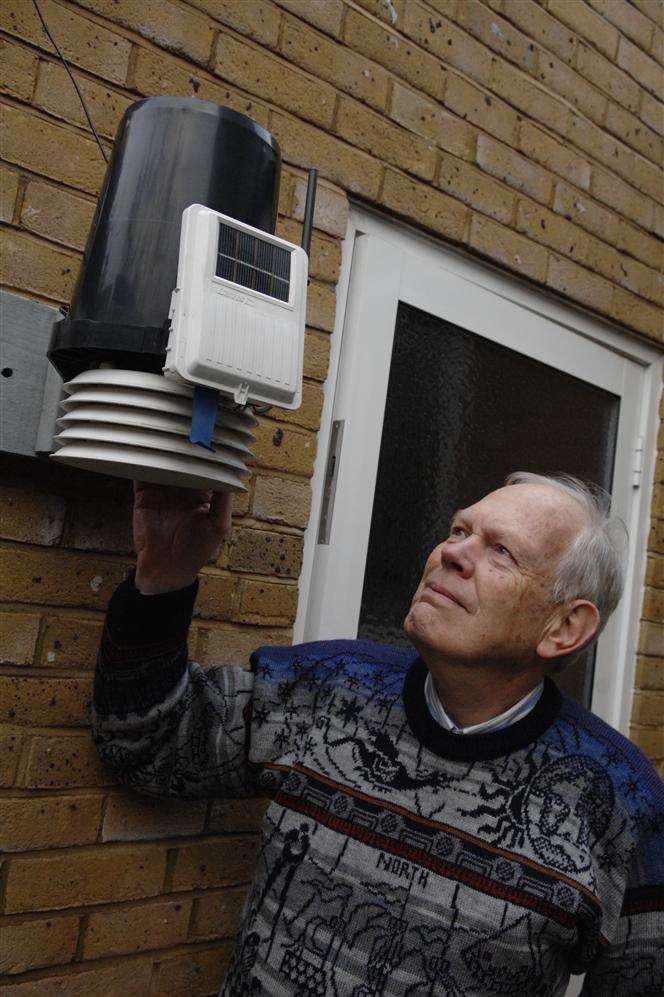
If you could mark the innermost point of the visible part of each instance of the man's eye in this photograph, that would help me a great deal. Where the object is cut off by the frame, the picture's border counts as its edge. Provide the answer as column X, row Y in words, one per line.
column 457, row 531
column 503, row 551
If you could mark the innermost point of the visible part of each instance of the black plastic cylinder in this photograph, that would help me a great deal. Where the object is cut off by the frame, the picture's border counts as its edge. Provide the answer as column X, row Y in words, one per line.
column 169, row 152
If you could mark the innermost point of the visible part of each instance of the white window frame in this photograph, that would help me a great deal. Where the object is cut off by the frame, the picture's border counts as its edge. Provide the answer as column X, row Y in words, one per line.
column 615, row 700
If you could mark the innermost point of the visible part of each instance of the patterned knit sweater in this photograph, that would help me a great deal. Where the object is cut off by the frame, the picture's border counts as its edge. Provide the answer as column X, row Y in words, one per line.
column 397, row 859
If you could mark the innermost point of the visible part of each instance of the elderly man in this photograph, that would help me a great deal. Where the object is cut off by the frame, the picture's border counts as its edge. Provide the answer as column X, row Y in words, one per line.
column 442, row 820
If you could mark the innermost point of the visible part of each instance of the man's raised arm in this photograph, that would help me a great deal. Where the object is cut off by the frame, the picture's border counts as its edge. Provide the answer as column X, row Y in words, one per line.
column 160, row 722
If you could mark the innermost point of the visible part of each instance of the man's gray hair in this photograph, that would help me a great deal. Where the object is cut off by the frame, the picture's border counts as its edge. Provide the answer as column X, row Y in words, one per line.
column 592, row 568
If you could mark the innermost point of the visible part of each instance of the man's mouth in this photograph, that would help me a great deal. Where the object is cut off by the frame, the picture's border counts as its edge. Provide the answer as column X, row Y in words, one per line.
column 444, row 594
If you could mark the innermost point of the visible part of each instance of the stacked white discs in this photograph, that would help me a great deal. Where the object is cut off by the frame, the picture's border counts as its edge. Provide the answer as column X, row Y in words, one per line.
column 134, row 425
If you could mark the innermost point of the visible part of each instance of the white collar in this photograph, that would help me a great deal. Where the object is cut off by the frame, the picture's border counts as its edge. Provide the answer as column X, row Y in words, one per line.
column 510, row 716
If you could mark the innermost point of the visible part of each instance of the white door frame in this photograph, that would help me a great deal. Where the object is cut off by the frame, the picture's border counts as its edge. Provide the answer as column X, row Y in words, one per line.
column 612, row 693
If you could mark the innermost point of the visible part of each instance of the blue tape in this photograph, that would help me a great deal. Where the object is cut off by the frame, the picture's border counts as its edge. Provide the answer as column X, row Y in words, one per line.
column 203, row 416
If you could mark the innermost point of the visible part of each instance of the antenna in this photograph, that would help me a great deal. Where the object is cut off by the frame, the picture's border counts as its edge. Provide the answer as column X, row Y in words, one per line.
column 309, row 210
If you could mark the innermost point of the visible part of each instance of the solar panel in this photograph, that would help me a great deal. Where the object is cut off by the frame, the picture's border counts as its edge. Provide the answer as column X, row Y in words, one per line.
column 255, row 263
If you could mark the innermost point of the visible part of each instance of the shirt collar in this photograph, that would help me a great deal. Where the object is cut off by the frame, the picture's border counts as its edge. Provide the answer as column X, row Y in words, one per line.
column 506, row 719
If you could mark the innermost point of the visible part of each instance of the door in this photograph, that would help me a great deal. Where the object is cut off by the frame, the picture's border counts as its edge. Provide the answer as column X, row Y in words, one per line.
column 445, row 384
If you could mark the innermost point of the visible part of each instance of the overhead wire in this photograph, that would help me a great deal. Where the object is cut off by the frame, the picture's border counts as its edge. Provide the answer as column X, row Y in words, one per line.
column 71, row 77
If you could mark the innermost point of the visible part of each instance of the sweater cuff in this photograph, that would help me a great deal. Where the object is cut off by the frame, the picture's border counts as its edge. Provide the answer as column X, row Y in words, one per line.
column 140, row 620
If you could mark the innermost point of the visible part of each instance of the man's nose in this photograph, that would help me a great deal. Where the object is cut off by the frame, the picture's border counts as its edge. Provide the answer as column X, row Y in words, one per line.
column 459, row 556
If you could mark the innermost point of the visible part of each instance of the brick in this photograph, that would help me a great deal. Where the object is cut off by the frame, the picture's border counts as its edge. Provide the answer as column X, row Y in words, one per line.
column 649, row 673
column 486, row 112
column 57, row 578
column 649, row 739
column 37, row 943
column 321, row 306
column 658, row 222
column 308, row 414
column 621, row 197
column 55, row 94
column 266, row 553
column 603, row 147
column 155, row 74
column 91, row 876
column 447, row 41
column 45, row 702
column 635, row 277
column 123, row 930
column 637, row 243
column 324, row 14
column 657, row 507
column 631, row 130
column 281, row 500
column 258, row 20
column 27, row 515
column 530, row 16
column 8, row 191
column 657, row 46
column 656, row 535
column 280, row 448
column 472, row 187
column 653, row 605
column 331, row 211
column 561, row 79
column 627, row 19
column 18, row 70
column 235, row 645
column 579, row 284
column 390, row 143
column 426, row 118
column 316, row 354
column 83, row 42
column 525, row 94
column 131, row 979
column 178, row 29
column 336, row 64
column 131, row 817
column 647, row 177
column 420, row 203
column 582, row 210
column 11, row 742
column 214, row 862
column 496, row 33
column 582, row 19
column 216, row 596
column 391, row 12
column 28, row 264
column 640, row 67
column 258, row 72
column 304, row 146
column 238, row 816
column 539, row 146
column 195, row 973
column 652, row 113
column 64, row 761
column 34, row 822
column 101, row 523
column 405, row 60
column 629, row 310
column 543, row 226
column 325, row 254
column 651, row 638
column 218, row 915
column 652, row 9
column 507, row 165
column 605, row 75
column 648, row 708
column 50, row 149
column 70, row 643
column 263, row 602
column 504, row 246
column 56, row 214
column 18, row 638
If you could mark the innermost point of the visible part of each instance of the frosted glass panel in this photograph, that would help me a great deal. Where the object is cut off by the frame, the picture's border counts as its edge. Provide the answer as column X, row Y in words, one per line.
column 461, row 413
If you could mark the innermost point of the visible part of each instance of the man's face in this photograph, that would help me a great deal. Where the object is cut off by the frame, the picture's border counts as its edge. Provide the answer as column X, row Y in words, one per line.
column 485, row 594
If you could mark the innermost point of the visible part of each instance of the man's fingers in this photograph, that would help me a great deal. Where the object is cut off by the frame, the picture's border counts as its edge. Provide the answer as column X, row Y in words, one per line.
column 221, row 507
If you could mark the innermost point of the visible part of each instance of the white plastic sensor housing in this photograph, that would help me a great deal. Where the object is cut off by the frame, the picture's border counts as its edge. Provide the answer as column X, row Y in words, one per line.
column 238, row 311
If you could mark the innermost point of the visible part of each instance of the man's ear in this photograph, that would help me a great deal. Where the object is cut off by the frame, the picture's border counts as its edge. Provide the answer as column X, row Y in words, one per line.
column 569, row 630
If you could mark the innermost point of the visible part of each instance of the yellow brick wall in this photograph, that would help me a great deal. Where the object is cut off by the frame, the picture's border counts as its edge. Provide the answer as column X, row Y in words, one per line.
column 526, row 131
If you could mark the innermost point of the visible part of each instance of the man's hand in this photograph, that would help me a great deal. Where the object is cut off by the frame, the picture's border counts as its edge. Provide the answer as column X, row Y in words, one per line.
column 176, row 531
